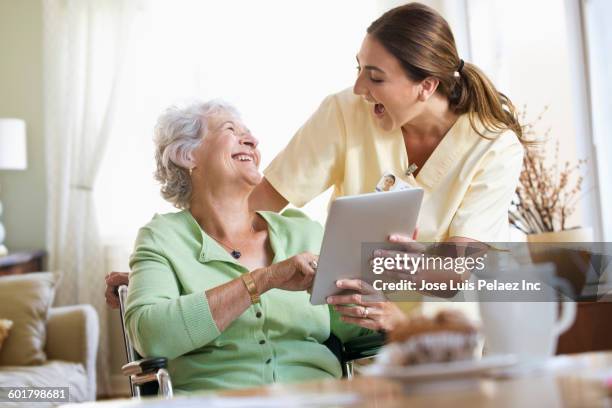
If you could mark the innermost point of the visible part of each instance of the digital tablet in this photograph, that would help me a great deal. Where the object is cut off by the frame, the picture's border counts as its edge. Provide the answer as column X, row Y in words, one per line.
column 359, row 221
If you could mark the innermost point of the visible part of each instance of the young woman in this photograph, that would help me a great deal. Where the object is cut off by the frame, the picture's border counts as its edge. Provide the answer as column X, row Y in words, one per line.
column 420, row 113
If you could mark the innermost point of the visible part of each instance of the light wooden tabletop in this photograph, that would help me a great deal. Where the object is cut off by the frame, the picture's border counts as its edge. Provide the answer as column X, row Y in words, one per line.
column 566, row 381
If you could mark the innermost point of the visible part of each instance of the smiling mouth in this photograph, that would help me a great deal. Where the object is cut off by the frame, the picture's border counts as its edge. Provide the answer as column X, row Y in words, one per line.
column 379, row 109
column 243, row 157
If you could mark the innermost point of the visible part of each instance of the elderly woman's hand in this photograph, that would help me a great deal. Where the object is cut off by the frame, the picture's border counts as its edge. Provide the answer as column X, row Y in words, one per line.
column 113, row 281
column 295, row 273
column 365, row 308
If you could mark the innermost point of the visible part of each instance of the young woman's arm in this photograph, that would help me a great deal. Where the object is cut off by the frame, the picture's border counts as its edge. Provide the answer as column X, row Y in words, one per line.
column 266, row 198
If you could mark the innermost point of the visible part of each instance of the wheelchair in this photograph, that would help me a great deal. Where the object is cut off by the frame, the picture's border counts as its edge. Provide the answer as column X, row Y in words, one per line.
column 149, row 376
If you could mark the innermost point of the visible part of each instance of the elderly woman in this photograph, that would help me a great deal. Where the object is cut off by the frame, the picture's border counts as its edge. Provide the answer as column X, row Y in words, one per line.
column 220, row 289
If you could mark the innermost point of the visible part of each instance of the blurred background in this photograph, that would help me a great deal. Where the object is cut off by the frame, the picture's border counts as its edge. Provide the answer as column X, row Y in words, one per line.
column 88, row 79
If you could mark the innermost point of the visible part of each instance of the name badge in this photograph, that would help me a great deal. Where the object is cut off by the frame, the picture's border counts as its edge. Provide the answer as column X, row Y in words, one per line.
column 390, row 182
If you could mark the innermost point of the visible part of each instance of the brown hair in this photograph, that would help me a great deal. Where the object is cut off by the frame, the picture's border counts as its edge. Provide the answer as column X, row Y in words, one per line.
column 423, row 42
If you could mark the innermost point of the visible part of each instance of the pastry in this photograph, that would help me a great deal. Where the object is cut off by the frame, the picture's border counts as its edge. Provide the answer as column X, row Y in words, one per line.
column 447, row 336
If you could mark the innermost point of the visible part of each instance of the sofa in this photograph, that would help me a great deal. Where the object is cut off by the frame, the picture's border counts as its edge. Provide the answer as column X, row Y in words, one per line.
column 69, row 341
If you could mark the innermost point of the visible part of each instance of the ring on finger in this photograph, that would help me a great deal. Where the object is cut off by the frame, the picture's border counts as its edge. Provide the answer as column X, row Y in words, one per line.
column 366, row 311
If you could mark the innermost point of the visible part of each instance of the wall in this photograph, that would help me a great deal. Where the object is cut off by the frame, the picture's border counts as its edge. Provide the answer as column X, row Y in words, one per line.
column 23, row 193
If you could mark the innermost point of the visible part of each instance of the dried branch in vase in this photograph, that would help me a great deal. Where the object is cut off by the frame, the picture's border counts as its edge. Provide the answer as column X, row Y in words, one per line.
column 547, row 195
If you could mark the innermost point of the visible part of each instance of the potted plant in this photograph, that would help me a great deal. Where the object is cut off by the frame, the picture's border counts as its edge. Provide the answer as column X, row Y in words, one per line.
column 547, row 194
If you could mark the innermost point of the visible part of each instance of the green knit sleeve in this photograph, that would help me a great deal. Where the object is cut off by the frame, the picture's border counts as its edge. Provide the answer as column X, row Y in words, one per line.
column 161, row 322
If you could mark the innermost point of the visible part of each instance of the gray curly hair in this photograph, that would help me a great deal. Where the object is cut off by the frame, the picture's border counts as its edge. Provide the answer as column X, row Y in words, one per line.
column 178, row 132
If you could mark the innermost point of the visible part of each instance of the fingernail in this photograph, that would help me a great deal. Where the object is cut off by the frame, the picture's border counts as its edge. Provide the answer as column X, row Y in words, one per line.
column 329, row 299
column 339, row 283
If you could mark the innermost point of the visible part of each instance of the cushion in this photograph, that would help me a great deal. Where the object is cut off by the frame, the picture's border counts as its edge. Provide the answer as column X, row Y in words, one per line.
column 25, row 299
column 5, row 327
column 50, row 374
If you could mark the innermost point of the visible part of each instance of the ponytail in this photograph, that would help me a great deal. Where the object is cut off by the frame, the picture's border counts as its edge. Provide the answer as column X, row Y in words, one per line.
column 476, row 95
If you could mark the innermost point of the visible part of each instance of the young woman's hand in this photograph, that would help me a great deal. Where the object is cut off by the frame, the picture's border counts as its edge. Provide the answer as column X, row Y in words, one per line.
column 367, row 307
column 454, row 247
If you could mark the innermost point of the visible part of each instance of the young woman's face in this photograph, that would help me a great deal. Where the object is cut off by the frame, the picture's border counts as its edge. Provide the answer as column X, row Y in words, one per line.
column 383, row 83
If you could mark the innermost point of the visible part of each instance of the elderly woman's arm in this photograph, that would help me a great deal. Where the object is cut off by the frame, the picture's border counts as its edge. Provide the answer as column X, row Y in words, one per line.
column 155, row 307
column 228, row 301
column 162, row 322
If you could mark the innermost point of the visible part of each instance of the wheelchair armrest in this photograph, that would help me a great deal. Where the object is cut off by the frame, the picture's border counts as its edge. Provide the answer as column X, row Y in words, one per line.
column 145, row 365
column 363, row 347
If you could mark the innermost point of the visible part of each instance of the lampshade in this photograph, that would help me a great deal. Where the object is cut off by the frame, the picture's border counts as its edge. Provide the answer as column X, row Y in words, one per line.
column 13, row 144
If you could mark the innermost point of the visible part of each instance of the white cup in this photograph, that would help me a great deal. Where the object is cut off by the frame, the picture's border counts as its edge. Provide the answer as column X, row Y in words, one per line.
column 525, row 329
column 529, row 330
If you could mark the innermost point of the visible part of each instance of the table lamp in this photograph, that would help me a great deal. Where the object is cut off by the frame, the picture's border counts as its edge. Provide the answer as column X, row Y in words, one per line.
column 12, row 156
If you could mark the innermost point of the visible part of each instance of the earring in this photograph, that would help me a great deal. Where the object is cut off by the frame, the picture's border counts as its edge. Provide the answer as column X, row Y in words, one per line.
column 191, row 171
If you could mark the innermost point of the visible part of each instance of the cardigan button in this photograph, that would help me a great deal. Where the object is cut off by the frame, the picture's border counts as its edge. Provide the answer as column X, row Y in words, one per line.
column 258, row 315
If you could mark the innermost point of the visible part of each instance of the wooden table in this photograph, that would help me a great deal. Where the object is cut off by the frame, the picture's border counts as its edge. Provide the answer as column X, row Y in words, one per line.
column 568, row 386
column 591, row 331
column 569, row 382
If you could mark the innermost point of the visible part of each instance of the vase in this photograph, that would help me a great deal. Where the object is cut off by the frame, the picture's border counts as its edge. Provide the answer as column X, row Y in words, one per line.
column 570, row 235
column 569, row 250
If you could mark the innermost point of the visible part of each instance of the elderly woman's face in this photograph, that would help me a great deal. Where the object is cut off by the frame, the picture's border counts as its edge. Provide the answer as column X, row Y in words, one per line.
column 229, row 151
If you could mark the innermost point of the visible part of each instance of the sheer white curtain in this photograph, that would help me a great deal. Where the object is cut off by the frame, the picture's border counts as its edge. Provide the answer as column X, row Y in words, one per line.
column 83, row 53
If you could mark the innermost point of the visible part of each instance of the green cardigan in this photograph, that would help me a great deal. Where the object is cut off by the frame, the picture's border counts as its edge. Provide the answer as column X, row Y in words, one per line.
column 175, row 262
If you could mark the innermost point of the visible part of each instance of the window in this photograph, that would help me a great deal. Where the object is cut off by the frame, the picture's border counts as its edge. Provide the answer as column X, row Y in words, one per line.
column 275, row 61
column 524, row 47
column 598, row 45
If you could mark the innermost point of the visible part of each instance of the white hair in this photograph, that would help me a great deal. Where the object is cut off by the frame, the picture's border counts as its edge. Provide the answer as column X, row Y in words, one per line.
column 178, row 132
